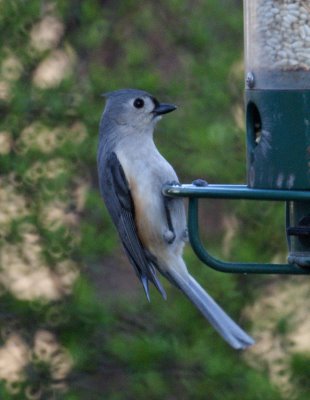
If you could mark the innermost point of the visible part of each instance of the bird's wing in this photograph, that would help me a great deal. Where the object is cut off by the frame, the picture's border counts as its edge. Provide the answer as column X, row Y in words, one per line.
column 120, row 204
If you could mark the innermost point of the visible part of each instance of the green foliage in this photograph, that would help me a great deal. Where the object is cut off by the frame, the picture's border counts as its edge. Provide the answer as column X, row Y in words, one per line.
column 75, row 341
column 300, row 368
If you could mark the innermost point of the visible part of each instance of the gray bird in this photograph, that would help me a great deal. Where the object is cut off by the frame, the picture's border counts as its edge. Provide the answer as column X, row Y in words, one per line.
column 151, row 226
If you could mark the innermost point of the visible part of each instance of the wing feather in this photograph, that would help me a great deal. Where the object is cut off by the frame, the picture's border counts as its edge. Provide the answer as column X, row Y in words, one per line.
column 119, row 202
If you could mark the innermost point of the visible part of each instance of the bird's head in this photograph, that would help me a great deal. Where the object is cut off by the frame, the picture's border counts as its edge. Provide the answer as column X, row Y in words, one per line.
column 135, row 108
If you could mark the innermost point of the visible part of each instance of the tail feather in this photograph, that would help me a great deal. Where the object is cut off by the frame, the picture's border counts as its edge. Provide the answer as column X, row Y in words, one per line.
column 217, row 317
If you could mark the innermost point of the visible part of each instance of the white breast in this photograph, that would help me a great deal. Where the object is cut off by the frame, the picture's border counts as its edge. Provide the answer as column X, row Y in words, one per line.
column 146, row 172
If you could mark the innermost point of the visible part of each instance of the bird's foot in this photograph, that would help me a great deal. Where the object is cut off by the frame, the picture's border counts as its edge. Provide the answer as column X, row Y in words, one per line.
column 200, row 183
column 169, row 236
column 172, row 183
column 185, row 235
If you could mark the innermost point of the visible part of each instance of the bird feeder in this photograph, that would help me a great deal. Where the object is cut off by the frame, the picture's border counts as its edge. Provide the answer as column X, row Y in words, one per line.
column 277, row 109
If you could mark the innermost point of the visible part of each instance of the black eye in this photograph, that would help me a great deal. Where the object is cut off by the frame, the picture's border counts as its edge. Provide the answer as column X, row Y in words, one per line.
column 138, row 103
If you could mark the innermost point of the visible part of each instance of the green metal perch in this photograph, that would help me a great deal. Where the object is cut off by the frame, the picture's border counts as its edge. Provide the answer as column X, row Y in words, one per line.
column 237, row 192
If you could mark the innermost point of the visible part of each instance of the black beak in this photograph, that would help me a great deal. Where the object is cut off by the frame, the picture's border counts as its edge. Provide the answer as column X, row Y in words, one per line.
column 163, row 108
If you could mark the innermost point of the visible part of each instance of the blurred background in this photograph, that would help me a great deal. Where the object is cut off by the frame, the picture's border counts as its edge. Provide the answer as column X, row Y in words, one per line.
column 74, row 321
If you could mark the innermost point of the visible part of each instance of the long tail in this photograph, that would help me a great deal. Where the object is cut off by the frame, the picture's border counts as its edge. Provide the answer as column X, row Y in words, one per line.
column 224, row 325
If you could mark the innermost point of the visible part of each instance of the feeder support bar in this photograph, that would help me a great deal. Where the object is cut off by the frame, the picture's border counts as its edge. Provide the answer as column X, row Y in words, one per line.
column 234, row 192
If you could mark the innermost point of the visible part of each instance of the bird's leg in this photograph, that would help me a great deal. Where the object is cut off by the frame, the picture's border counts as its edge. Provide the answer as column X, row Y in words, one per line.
column 169, row 234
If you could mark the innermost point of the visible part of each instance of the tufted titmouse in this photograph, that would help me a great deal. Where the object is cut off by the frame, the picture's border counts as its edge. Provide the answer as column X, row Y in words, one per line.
column 151, row 226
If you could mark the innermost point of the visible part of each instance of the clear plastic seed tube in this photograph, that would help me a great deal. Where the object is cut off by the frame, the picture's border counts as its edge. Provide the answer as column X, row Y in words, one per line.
column 277, row 43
